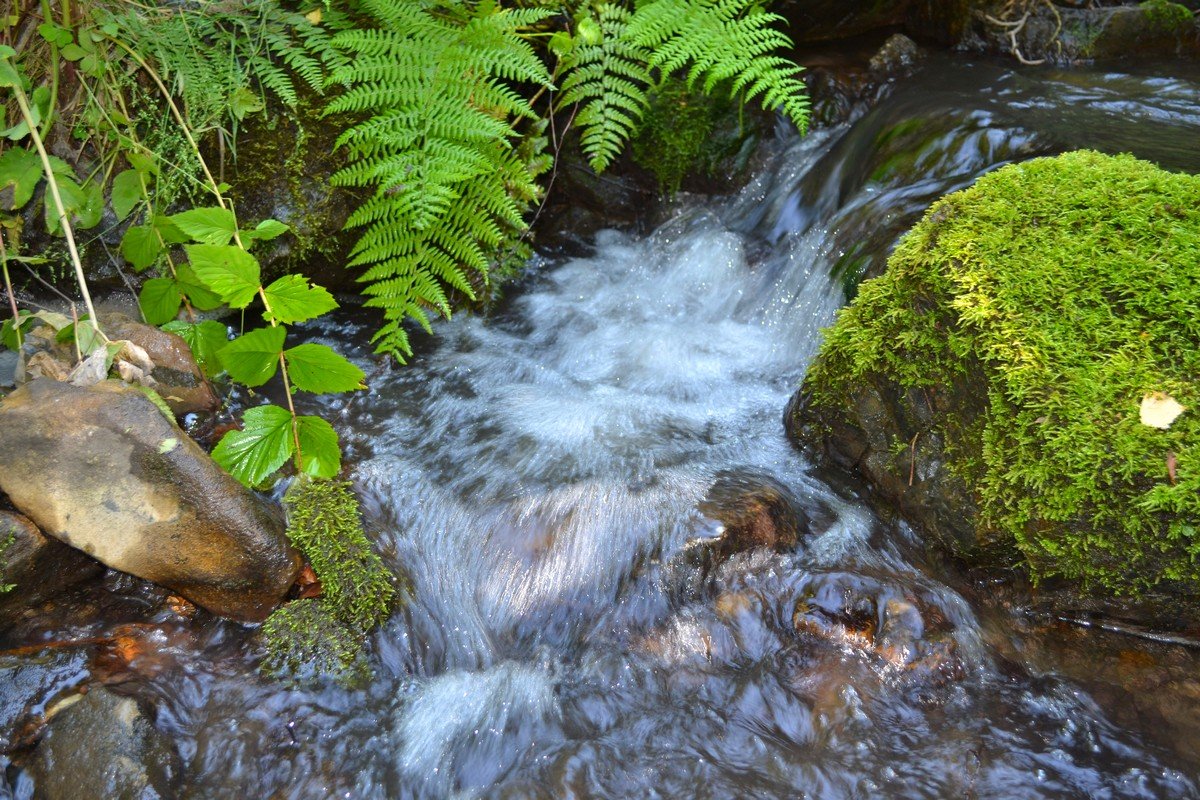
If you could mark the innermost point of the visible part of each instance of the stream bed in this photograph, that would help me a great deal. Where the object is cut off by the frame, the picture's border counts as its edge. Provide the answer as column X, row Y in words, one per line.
column 545, row 478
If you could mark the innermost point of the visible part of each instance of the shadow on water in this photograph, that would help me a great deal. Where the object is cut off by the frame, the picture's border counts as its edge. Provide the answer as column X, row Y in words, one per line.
column 577, row 629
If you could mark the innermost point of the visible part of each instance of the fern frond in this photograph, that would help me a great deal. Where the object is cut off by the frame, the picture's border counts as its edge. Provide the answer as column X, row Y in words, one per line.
column 434, row 85
column 608, row 79
column 722, row 40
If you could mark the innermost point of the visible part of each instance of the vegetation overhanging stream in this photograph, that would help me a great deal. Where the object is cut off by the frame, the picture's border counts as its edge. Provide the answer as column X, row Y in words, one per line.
column 542, row 475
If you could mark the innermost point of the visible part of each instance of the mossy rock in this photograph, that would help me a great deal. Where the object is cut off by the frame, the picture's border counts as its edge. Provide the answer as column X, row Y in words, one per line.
column 990, row 382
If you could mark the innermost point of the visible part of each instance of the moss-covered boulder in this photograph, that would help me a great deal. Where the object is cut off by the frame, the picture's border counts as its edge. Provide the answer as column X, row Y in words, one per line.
column 990, row 385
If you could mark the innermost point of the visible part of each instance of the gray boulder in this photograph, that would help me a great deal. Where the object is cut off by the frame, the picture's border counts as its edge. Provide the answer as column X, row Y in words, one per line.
column 103, row 746
column 101, row 469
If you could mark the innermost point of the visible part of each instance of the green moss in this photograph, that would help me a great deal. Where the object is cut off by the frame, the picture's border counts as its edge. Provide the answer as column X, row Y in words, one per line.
column 325, row 524
column 6, row 542
column 1166, row 16
column 685, row 132
column 1073, row 283
column 306, row 641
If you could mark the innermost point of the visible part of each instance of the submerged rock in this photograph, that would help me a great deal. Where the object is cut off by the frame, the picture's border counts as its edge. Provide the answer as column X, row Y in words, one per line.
column 104, row 471
column 754, row 511
column 103, row 746
column 988, row 384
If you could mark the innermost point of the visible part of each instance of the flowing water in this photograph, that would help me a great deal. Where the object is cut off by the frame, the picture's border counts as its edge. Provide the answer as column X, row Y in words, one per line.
column 539, row 476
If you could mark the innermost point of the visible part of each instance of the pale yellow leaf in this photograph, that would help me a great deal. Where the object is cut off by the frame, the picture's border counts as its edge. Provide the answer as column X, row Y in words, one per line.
column 1159, row 410
column 314, row 16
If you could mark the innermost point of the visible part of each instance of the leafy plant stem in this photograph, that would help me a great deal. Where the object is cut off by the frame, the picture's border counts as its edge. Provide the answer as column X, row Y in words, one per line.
column 287, row 383
column 8, row 287
column 48, row 16
column 63, row 217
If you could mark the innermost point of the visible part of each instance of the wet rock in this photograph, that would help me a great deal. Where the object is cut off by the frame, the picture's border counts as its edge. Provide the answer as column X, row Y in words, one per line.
column 897, row 57
column 1069, row 32
column 754, row 511
column 824, row 20
column 104, row 471
column 175, row 374
column 896, row 629
column 29, row 684
column 103, row 746
column 35, row 566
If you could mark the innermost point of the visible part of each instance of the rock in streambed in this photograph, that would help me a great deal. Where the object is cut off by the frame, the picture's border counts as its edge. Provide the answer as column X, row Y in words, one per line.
column 101, row 469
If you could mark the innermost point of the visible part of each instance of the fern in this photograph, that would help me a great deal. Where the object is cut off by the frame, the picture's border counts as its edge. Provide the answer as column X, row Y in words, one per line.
column 436, row 148
column 211, row 56
column 723, row 40
column 608, row 78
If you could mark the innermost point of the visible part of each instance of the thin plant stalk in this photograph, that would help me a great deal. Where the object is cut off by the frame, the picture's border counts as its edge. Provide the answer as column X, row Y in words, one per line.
column 63, row 217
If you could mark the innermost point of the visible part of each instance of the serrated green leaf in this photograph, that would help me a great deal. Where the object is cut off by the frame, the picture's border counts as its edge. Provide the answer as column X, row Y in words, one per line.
column 72, row 52
column 169, row 231
column 140, row 246
column 228, row 270
column 126, row 192
column 20, row 169
column 205, row 339
column 263, row 445
column 318, row 369
column 160, row 300
column 320, row 454
column 197, row 295
column 142, row 162
column 213, row 226
column 266, row 230
column 253, row 357
column 244, row 102
column 55, row 35
column 292, row 299
column 84, row 204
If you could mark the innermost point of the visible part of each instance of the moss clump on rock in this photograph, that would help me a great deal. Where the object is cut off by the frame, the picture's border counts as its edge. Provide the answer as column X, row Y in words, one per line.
column 1166, row 16
column 1067, row 289
column 325, row 636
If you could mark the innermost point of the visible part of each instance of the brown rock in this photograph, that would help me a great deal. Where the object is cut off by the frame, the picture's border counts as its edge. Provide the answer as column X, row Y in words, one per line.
column 178, row 378
column 102, row 470
column 755, row 511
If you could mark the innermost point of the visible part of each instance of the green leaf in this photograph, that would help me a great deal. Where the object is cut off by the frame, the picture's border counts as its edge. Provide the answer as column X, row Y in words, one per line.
column 126, row 192
column 200, row 298
column 265, row 230
column 253, row 357
column 293, row 299
column 140, row 246
column 206, row 339
column 212, row 226
column 589, row 31
column 85, row 204
column 10, row 327
column 20, row 169
column 245, row 102
column 55, row 35
column 169, row 231
column 142, row 162
column 83, row 333
column 39, row 107
column 260, row 448
column 318, row 369
column 9, row 77
column 160, row 300
column 72, row 52
column 228, row 270
column 320, row 454
column 560, row 44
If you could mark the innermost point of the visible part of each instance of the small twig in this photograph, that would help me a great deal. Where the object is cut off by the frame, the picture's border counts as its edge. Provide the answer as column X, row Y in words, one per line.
column 912, row 458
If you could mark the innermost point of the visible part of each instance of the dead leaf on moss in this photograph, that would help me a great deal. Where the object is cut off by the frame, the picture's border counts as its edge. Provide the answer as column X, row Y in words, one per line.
column 1159, row 410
